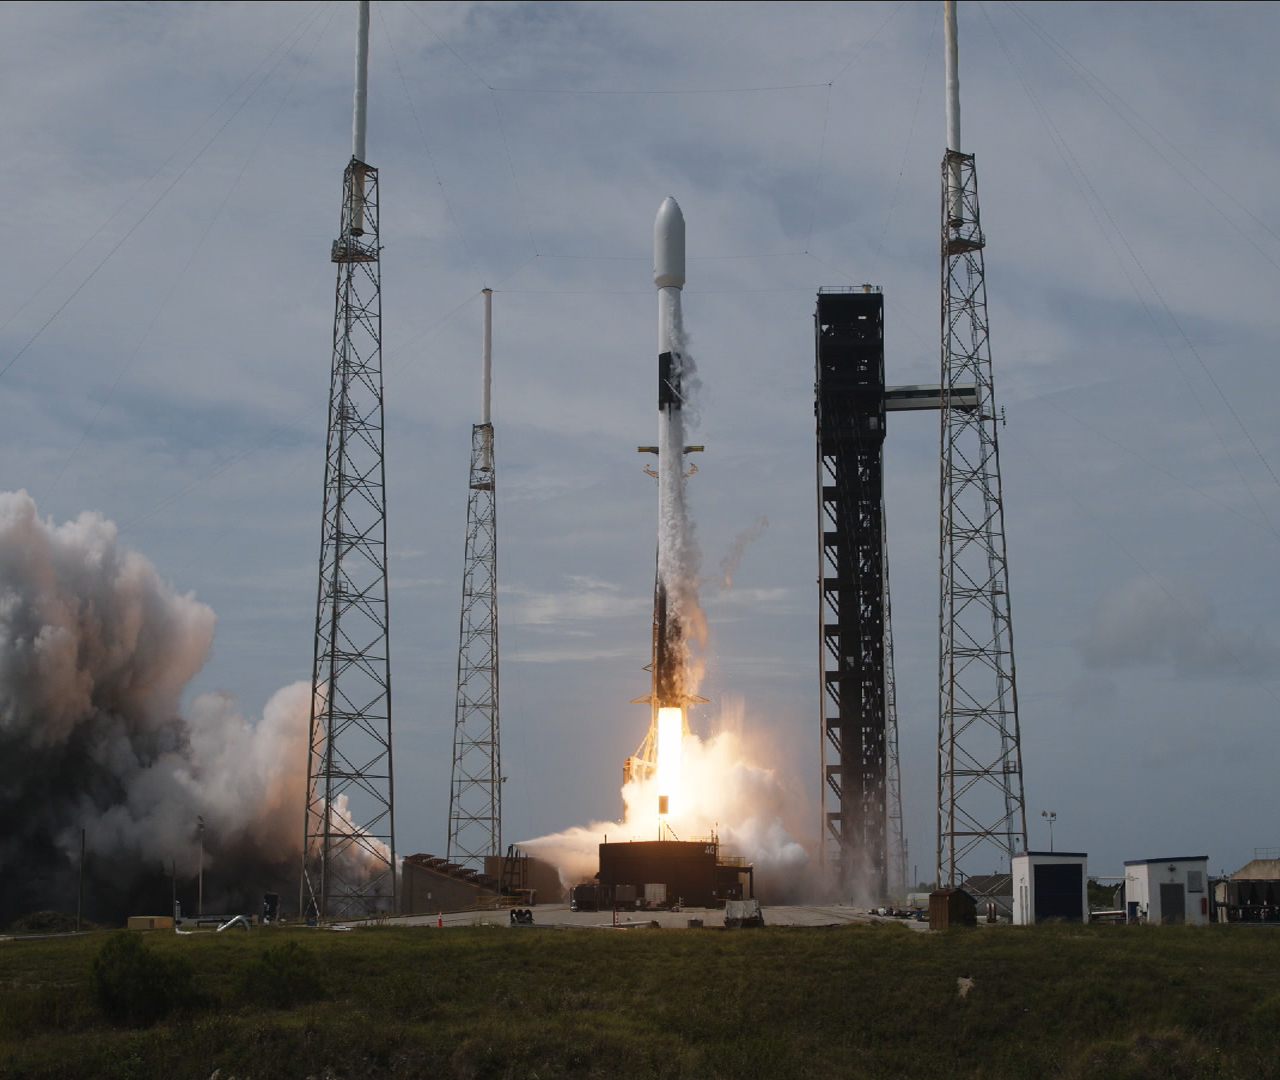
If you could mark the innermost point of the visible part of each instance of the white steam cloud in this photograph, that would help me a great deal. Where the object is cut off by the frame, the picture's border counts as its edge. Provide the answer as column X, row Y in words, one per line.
column 725, row 793
column 95, row 651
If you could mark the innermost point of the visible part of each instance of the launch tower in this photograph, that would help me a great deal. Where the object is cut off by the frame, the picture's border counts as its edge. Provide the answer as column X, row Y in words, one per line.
column 850, row 416
column 475, row 790
column 981, row 808
column 349, row 842
column 863, row 849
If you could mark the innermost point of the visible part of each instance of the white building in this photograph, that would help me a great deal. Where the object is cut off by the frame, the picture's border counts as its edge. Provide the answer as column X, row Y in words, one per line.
column 1167, row 890
column 1050, row 885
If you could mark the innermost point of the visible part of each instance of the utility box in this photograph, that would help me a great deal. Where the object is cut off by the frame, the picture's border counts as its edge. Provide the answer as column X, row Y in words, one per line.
column 1050, row 886
column 951, row 907
column 1167, row 891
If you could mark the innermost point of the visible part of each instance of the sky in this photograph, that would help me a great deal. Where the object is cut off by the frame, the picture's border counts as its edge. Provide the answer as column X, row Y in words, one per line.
column 173, row 176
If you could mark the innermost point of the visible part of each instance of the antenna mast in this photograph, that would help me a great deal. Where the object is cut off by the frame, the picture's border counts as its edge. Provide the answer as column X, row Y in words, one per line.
column 349, row 843
column 981, row 807
column 475, row 790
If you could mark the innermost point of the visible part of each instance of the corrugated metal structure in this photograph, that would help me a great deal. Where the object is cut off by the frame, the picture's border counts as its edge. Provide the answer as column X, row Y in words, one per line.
column 951, row 907
column 693, row 871
column 1251, row 894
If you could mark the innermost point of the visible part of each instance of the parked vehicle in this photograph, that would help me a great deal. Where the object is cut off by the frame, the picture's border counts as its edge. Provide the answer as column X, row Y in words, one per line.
column 743, row 913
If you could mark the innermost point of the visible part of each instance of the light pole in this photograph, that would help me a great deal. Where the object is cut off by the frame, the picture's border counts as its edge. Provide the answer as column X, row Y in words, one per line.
column 80, row 885
column 200, row 879
column 1050, row 816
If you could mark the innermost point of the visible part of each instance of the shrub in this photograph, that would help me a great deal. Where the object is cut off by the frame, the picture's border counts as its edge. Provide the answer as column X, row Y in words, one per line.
column 44, row 922
column 137, row 986
column 283, row 976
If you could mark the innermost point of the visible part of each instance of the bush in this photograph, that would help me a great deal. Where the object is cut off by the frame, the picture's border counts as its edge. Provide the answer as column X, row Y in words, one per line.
column 283, row 976
column 44, row 922
column 137, row 986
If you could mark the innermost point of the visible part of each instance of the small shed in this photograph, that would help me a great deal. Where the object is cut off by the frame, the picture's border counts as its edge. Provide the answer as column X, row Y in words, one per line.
column 1174, row 890
column 1050, row 886
column 951, row 907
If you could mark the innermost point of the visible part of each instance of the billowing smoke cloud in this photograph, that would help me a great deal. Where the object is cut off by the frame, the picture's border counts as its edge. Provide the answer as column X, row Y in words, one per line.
column 95, row 651
column 1146, row 622
column 724, row 792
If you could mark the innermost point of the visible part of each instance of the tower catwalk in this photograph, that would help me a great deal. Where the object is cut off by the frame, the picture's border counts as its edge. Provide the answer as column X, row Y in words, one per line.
column 349, row 842
column 981, row 808
column 475, row 790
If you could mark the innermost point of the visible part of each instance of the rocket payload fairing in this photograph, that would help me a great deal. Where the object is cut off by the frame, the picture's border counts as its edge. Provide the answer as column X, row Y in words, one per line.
column 668, row 276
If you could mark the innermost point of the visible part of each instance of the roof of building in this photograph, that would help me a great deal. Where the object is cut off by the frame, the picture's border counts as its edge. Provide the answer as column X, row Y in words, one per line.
column 1171, row 858
column 1258, row 870
column 1054, row 854
column 990, row 884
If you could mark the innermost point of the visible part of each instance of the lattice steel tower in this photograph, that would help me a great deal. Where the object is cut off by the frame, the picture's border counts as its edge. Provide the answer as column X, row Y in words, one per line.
column 475, row 790
column 850, row 410
column 981, row 809
column 897, row 837
column 349, row 845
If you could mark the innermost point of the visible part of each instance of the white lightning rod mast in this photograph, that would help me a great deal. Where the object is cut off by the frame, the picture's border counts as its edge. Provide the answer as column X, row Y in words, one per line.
column 488, row 355
column 951, row 52
column 360, row 106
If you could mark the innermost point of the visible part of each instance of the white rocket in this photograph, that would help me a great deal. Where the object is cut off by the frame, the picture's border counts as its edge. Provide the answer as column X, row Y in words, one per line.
column 668, row 276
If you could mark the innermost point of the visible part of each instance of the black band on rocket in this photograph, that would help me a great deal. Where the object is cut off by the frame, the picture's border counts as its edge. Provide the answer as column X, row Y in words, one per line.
column 668, row 381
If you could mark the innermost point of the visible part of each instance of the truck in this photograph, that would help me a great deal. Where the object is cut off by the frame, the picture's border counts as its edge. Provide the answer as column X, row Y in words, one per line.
column 591, row 896
column 742, row 913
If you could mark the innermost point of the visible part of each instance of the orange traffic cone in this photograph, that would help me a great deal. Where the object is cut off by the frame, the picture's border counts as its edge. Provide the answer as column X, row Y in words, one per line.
column 440, row 921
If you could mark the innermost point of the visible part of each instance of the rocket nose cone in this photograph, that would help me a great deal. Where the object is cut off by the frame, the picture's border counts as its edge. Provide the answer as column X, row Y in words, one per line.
column 668, row 245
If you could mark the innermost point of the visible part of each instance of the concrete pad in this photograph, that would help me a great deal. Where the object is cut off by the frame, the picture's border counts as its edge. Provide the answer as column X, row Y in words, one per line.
column 558, row 916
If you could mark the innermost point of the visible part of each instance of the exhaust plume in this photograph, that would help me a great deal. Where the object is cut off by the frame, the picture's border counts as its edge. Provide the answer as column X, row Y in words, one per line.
column 724, row 792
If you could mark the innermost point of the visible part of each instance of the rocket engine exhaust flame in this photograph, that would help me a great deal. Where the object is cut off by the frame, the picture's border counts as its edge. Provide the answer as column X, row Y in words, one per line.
column 671, row 725
column 724, row 792
column 95, row 653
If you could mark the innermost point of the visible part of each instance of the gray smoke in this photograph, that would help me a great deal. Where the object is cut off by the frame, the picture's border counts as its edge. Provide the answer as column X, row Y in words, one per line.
column 730, row 563
column 95, row 652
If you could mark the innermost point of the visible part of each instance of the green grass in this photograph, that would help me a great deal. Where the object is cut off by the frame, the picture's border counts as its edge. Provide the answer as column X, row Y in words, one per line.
column 1098, row 1002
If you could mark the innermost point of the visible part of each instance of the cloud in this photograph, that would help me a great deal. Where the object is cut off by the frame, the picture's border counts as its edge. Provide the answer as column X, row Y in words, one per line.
column 1148, row 623
column 585, row 599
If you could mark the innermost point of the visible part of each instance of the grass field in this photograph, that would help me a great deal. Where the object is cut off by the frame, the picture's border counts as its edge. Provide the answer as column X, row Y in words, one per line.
column 858, row 1001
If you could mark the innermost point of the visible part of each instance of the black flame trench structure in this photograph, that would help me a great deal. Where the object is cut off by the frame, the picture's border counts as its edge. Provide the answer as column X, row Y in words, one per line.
column 863, row 848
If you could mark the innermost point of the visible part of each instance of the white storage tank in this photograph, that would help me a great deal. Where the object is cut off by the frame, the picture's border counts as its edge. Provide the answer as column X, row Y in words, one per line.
column 1050, row 886
column 1167, row 891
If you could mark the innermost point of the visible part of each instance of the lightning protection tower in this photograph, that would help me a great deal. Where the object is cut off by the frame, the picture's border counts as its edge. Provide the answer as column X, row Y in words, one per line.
column 981, row 809
column 475, row 790
column 349, row 843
